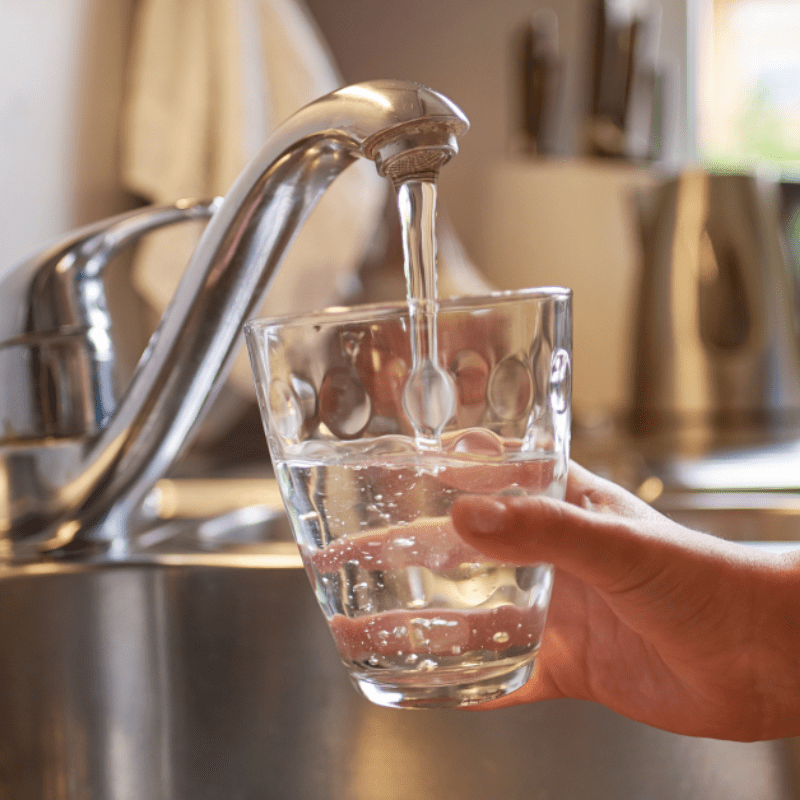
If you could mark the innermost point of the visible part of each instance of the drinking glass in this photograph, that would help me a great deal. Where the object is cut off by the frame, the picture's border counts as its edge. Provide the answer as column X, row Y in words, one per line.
column 420, row 619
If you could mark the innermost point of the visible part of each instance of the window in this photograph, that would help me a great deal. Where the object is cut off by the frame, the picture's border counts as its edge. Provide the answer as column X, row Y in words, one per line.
column 748, row 85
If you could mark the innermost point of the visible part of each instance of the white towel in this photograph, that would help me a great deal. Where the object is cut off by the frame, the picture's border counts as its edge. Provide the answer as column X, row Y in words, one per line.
column 209, row 80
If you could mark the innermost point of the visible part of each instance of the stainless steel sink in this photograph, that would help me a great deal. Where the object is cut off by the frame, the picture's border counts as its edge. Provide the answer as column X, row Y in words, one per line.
column 212, row 681
column 750, row 495
column 202, row 668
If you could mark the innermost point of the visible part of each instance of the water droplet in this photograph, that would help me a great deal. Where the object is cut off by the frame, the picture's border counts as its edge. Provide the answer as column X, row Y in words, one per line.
column 501, row 637
column 351, row 343
column 306, row 396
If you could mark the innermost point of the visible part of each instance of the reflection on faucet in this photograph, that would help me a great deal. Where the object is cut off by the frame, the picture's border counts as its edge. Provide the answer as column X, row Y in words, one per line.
column 60, row 328
column 77, row 491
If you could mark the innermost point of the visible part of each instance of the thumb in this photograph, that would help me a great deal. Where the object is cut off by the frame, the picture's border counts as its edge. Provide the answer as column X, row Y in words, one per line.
column 606, row 550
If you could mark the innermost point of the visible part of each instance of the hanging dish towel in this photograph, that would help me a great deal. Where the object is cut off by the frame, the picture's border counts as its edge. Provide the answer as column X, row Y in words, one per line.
column 209, row 81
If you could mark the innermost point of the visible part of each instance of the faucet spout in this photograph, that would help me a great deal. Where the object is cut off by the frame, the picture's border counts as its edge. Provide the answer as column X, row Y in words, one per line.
column 405, row 128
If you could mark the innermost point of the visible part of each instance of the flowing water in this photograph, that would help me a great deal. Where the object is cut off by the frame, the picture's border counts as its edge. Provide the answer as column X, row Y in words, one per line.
column 429, row 395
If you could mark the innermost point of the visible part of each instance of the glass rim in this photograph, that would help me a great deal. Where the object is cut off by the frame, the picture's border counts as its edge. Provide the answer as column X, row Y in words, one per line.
column 368, row 312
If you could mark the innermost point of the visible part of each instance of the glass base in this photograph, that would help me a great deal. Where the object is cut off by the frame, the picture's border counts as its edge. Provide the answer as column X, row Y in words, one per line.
column 444, row 688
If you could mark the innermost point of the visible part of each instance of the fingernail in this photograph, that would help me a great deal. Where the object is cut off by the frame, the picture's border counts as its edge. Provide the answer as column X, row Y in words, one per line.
column 486, row 516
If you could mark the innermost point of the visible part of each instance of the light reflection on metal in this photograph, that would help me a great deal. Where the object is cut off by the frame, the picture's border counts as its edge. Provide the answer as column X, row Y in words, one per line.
column 55, row 346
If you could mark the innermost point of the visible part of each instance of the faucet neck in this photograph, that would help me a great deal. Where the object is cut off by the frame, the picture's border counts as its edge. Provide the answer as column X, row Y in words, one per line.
column 405, row 128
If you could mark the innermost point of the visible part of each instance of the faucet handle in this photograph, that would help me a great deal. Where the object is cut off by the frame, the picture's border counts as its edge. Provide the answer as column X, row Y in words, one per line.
column 56, row 341
column 60, row 293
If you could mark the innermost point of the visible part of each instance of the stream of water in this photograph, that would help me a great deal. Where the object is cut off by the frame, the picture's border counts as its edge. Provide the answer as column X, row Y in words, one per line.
column 429, row 396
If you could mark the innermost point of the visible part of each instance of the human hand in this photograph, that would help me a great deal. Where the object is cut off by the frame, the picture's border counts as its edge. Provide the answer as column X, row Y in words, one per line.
column 664, row 625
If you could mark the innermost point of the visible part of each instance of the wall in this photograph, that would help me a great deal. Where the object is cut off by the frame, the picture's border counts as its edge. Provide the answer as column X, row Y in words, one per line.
column 62, row 66
column 463, row 49
column 525, row 222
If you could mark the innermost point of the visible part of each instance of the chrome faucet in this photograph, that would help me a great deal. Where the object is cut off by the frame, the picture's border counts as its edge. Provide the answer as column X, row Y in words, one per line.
column 77, row 457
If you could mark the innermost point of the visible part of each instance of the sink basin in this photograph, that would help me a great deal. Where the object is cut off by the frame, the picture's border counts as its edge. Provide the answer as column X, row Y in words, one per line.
column 202, row 668
column 768, row 520
column 220, row 680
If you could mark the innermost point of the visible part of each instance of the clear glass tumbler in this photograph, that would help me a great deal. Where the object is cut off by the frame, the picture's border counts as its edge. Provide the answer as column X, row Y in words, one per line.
column 420, row 619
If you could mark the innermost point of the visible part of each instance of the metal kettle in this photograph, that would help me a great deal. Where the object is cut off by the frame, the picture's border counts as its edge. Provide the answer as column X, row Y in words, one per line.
column 716, row 355
column 77, row 454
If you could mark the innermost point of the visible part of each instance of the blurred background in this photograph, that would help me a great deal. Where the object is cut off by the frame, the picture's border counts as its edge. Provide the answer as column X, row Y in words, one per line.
column 67, row 72
column 576, row 106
